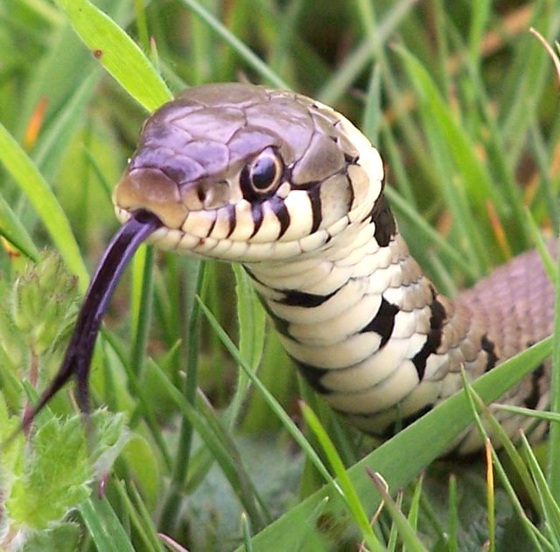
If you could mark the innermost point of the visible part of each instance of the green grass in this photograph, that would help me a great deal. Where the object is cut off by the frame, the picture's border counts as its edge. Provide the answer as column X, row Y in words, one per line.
column 461, row 101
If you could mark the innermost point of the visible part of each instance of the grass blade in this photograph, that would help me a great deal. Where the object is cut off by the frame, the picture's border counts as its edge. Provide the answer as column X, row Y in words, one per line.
column 14, row 231
column 40, row 195
column 117, row 52
column 246, row 53
column 409, row 537
column 350, row 496
column 105, row 528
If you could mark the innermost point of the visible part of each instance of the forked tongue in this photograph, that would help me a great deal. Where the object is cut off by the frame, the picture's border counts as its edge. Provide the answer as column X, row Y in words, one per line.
column 77, row 359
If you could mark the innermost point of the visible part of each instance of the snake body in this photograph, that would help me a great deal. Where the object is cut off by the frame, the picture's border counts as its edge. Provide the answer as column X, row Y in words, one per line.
column 294, row 191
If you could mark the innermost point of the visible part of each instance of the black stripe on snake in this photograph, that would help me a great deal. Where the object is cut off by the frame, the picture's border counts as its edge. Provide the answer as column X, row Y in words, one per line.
column 294, row 191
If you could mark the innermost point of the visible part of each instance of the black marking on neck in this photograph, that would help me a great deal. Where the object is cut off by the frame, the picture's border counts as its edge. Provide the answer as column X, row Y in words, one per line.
column 316, row 208
column 532, row 400
column 383, row 322
column 351, row 159
column 295, row 298
column 282, row 326
column 382, row 217
column 212, row 225
column 313, row 376
column 490, row 348
column 282, row 214
column 232, row 219
column 433, row 339
column 257, row 215
column 352, row 195
column 252, row 275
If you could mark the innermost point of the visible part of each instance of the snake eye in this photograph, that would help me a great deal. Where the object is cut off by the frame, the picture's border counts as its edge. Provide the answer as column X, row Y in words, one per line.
column 262, row 175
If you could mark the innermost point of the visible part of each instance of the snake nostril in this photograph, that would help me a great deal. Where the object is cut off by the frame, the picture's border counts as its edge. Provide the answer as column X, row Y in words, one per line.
column 206, row 195
column 201, row 194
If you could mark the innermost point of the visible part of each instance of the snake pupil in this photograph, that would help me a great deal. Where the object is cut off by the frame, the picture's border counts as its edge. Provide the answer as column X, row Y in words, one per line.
column 264, row 173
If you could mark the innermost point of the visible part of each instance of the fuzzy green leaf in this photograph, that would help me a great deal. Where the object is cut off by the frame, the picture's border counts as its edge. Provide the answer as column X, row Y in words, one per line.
column 56, row 476
column 63, row 538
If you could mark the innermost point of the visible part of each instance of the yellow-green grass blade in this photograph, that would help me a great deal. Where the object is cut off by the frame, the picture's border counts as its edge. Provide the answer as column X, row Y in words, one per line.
column 43, row 200
column 223, row 449
column 371, row 45
column 14, row 231
column 550, row 506
column 553, row 468
column 146, row 537
column 406, row 531
column 246, row 53
column 351, row 498
column 252, row 326
column 118, row 53
column 271, row 401
column 452, row 137
column 106, row 530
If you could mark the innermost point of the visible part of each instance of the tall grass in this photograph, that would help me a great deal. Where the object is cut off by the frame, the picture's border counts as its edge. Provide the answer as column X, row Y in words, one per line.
column 216, row 452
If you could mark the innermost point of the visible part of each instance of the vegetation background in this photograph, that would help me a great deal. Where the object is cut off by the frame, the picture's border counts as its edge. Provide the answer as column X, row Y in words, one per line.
column 201, row 443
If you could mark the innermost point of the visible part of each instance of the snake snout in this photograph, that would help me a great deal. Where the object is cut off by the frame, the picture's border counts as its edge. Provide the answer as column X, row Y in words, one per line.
column 151, row 190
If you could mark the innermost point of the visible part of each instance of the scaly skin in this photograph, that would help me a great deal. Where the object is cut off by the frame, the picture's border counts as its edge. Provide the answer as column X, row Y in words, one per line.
column 293, row 191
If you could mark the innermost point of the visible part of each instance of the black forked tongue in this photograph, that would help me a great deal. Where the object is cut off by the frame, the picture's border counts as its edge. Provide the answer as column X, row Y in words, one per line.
column 77, row 359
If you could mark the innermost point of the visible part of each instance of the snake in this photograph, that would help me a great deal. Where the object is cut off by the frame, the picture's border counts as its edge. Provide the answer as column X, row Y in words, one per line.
column 293, row 191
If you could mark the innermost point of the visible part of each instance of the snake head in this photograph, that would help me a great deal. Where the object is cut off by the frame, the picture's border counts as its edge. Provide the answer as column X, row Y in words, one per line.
column 240, row 172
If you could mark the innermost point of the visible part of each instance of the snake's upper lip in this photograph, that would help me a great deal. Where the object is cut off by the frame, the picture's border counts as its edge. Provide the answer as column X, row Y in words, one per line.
column 152, row 190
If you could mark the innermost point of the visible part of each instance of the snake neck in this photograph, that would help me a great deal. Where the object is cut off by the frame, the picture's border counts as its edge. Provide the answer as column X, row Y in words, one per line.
column 368, row 330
